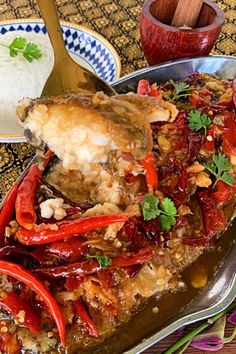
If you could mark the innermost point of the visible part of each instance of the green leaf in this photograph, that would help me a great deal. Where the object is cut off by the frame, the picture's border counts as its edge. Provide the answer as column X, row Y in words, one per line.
column 31, row 52
column 219, row 168
column 221, row 162
column 167, row 211
column 180, row 89
column 18, row 44
column 167, row 206
column 180, row 86
column 149, row 207
column 166, row 222
column 227, row 178
column 104, row 261
column 198, row 121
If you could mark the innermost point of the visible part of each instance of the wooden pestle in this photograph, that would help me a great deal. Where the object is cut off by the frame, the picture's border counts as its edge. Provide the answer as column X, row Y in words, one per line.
column 186, row 13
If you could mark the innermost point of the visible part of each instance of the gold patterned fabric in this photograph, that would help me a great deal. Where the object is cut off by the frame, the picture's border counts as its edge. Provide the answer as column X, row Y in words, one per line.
column 116, row 20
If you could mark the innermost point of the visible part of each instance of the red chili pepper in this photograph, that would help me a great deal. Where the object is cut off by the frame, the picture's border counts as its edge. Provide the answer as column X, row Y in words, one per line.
column 197, row 241
column 143, row 88
column 24, row 206
column 75, row 269
column 92, row 266
column 7, row 211
column 70, row 250
column 81, row 312
column 229, row 134
column 174, row 181
column 209, row 143
column 13, row 304
column 150, row 170
column 26, row 277
column 197, row 101
column 47, row 233
column 212, row 216
column 73, row 283
column 25, row 213
column 223, row 192
column 155, row 91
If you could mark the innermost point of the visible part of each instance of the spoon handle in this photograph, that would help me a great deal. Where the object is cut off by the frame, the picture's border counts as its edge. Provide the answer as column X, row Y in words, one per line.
column 49, row 13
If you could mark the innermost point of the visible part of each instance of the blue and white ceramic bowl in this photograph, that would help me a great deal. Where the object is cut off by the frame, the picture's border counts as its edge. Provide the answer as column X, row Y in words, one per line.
column 86, row 47
column 91, row 49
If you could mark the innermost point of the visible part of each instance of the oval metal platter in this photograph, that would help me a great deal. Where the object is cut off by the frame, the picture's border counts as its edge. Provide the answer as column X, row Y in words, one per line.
column 222, row 288
column 145, row 329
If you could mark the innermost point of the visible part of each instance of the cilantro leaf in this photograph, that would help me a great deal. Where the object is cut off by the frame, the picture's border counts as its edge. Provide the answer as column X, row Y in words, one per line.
column 166, row 222
column 104, row 261
column 167, row 211
column 221, row 162
column 180, row 90
column 168, row 207
column 198, row 121
column 30, row 51
column 150, row 207
column 16, row 45
column 219, row 168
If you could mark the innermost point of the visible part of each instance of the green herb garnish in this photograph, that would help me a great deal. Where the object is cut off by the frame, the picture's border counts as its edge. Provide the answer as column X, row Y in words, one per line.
column 104, row 261
column 219, row 168
column 198, row 121
column 180, row 90
column 149, row 207
column 166, row 210
column 30, row 51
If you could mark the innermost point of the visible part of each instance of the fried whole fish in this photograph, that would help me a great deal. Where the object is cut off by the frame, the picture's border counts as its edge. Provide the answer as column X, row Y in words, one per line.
column 84, row 128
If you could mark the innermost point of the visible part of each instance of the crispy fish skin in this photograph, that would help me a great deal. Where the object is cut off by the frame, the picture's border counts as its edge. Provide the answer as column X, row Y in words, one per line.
column 95, row 124
column 120, row 123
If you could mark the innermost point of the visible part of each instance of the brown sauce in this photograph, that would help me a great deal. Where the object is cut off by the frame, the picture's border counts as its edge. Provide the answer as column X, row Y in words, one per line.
column 146, row 323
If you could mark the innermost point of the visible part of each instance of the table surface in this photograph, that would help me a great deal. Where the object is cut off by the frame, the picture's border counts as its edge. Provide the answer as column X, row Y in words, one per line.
column 118, row 21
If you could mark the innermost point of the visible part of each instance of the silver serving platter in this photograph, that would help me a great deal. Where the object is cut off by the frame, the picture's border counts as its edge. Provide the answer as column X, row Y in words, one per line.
column 221, row 290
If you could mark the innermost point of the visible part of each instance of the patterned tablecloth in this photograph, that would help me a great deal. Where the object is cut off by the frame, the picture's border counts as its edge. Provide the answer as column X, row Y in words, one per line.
column 118, row 21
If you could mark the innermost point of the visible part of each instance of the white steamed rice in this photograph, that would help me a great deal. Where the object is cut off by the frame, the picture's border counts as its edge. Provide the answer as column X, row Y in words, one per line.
column 20, row 78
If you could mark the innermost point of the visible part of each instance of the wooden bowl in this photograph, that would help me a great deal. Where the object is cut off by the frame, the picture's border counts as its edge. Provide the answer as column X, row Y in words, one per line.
column 162, row 42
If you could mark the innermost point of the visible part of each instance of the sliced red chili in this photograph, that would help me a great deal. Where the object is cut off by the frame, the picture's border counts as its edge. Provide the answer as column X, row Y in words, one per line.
column 209, row 143
column 13, row 304
column 150, row 170
column 47, row 233
column 212, row 216
column 73, row 283
column 8, row 209
column 229, row 134
column 197, row 101
column 143, row 87
column 174, row 181
column 36, row 285
column 223, row 192
column 81, row 312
